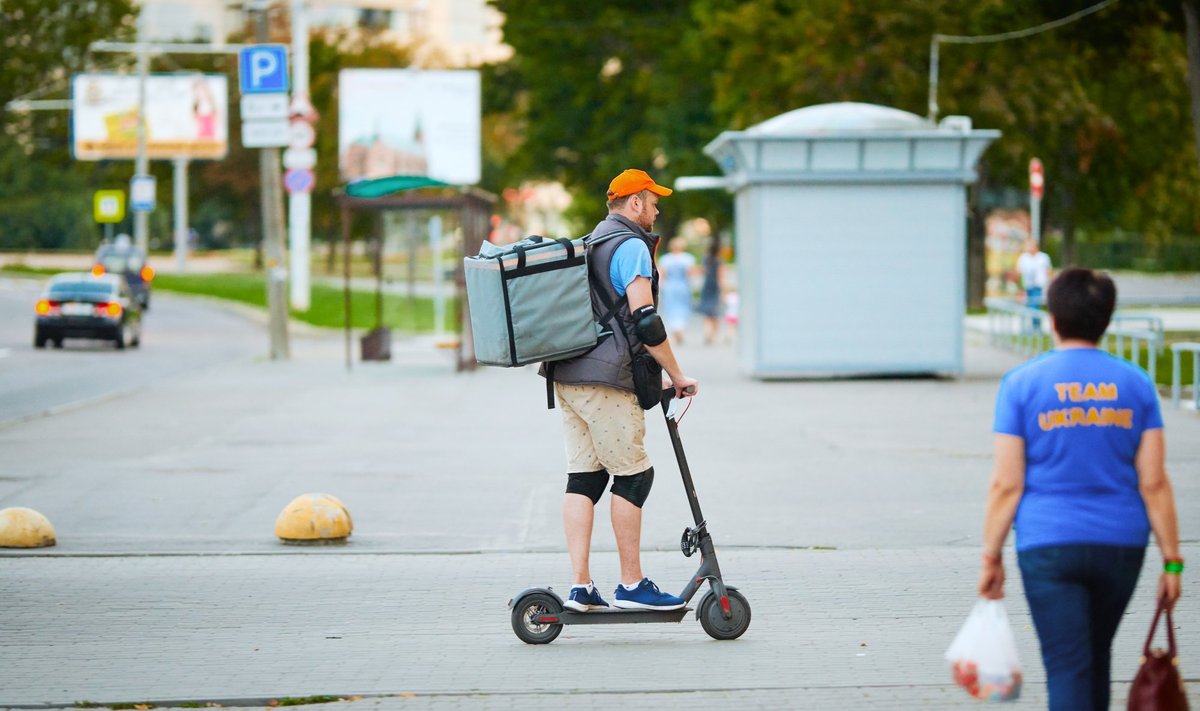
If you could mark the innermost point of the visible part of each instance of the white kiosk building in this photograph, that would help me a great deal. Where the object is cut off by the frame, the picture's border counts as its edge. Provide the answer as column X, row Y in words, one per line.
column 851, row 236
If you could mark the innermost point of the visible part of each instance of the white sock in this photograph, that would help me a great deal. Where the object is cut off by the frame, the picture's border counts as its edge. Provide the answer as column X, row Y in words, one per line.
column 633, row 587
column 589, row 587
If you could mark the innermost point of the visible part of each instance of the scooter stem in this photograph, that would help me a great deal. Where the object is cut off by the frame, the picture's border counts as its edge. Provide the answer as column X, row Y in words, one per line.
column 673, row 430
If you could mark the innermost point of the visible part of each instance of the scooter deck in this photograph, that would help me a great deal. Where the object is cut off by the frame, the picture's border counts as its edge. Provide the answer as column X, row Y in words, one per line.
column 617, row 616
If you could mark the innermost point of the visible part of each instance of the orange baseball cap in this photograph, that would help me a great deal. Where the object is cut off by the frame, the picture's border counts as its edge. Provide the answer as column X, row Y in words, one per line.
column 634, row 181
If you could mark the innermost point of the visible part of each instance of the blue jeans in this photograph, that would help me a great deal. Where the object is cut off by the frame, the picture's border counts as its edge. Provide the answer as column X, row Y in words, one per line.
column 1033, row 299
column 1077, row 595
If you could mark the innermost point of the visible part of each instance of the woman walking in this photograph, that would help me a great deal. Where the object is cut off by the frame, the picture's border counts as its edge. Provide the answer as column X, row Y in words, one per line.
column 675, row 289
column 710, row 290
column 1079, row 465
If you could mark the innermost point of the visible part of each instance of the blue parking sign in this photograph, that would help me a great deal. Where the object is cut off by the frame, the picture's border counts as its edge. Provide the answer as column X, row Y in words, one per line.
column 263, row 69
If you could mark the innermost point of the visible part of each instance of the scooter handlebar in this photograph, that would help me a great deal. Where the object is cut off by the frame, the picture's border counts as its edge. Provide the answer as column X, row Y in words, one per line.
column 668, row 394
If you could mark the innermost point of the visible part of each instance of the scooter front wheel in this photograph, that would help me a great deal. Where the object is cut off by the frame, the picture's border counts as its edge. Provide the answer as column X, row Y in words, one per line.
column 713, row 620
column 526, row 619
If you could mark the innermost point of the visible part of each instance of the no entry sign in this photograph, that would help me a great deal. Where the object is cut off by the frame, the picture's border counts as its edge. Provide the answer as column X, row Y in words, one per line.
column 1037, row 180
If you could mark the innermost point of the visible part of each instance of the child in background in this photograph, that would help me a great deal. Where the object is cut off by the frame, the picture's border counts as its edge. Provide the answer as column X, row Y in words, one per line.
column 731, row 312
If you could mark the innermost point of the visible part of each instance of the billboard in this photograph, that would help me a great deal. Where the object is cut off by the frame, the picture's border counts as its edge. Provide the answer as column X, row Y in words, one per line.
column 409, row 122
column 187, row 116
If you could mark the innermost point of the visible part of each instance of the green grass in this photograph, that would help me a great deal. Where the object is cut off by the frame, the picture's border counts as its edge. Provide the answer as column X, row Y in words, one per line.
column 305, row 700
column 1162, row 374
column 326, row 310
column 30, row 271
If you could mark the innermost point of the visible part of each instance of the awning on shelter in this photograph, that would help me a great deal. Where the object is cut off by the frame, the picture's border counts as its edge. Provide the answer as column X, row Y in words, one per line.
column 379, row 187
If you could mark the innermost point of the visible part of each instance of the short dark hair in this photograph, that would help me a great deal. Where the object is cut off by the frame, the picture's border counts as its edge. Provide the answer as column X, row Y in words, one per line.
column 1082, row 303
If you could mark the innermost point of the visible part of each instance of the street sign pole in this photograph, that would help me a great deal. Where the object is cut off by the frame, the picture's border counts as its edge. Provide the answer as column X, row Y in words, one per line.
column 300, row 201
column 108, row 207
column 181, row 213
column 141, row 218
column 1037, row 183
column 263, row 68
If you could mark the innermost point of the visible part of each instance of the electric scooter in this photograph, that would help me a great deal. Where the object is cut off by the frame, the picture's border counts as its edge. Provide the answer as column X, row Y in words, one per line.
column 538, row 615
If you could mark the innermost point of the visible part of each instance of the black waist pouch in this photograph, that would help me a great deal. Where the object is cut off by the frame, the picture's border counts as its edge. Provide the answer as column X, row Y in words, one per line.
column 647, row 380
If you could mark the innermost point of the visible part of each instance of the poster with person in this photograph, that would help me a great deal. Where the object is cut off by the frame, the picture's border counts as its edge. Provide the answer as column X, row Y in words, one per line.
column 187, row 116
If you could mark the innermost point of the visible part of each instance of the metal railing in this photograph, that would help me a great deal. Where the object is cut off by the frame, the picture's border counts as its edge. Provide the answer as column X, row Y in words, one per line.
column 1017, row 327
column 1177, row 376
column 1026, row 330
column 1137, row 331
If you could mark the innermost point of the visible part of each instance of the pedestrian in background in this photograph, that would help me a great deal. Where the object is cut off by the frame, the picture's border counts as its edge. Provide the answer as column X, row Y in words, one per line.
column 710, row 290
column 1034, row 268
column 731, row 312
column 675, row 302
column 1079, row 469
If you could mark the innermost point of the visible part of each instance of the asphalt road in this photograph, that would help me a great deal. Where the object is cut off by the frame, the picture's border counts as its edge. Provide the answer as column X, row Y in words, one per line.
column 179, row 335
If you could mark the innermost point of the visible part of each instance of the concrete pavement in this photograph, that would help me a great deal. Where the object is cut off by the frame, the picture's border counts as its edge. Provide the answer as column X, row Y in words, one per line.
column 847, row 511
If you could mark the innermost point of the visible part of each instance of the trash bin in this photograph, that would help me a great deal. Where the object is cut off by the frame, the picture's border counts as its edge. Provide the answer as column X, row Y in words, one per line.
column 377, row 344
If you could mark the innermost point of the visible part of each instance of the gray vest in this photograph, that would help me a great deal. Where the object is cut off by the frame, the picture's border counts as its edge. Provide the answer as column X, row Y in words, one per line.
column 609, row 363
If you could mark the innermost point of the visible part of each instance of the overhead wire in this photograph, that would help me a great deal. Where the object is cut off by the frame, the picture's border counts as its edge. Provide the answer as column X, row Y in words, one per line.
column 60, row 84
column 939, row 39
column 1028, row 31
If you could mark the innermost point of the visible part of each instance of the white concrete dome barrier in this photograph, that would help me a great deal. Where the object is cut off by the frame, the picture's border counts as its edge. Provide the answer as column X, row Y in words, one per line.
column 314, row 518
column 25, row 528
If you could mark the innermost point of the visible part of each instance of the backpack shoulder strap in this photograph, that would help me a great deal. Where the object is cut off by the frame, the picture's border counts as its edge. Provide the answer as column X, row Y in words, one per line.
column 610, row 307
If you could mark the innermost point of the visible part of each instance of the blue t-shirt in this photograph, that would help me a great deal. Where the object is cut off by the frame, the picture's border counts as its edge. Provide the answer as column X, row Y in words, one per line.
column 630, row 261
column 1081, row 413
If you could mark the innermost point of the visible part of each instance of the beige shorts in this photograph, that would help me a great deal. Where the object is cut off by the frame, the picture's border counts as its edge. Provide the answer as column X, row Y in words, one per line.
column 604, row 428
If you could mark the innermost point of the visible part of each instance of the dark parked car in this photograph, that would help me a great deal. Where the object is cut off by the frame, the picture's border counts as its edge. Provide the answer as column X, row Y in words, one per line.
column 121, row 257
column 87, row 306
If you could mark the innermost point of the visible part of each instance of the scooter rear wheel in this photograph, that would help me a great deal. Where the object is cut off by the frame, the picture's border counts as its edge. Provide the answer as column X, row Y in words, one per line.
column 525, row 616
column 714, row 622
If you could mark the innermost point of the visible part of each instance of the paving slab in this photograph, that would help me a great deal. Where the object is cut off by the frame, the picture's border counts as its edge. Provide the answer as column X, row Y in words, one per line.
column 849, row 511
column 827, row 625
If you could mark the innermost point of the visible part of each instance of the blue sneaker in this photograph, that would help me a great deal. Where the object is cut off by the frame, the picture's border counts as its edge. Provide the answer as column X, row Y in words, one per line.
column 646, row 596
column 581, row 600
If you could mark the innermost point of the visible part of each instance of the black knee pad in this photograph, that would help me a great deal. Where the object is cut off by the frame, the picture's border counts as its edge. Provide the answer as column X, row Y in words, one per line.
column 589, row 484
column 635, row 487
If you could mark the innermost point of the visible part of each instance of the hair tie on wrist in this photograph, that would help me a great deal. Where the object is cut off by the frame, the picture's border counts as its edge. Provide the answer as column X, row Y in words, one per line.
column 1174, row 566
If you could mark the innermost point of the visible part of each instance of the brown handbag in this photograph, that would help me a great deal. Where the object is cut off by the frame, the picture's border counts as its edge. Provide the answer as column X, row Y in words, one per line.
column 1158, row 685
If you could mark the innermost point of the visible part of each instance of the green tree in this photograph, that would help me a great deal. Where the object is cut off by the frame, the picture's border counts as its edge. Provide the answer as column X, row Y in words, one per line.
column 45, row 196
column 593, row 89
column 1101, row 101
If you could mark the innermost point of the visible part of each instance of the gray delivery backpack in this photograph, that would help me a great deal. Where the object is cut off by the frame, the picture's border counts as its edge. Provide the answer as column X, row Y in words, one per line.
column 530, row 301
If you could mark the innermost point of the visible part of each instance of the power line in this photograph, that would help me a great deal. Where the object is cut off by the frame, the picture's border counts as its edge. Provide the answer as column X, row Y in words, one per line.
column 999, row 37
column 58, row 84
column 1027, row 32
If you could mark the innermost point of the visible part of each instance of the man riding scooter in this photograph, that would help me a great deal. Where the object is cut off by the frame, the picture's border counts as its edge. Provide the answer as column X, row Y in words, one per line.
column 603, row 422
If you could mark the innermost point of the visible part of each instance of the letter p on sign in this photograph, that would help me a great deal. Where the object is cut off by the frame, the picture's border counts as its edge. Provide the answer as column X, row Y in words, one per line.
column 262, row 69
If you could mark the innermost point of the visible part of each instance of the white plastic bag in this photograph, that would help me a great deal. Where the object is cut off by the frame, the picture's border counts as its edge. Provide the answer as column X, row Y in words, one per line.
column 983, row 656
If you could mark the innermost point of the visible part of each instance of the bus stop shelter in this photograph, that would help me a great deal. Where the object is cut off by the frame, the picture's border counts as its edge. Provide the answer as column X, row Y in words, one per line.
column 406, row 193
